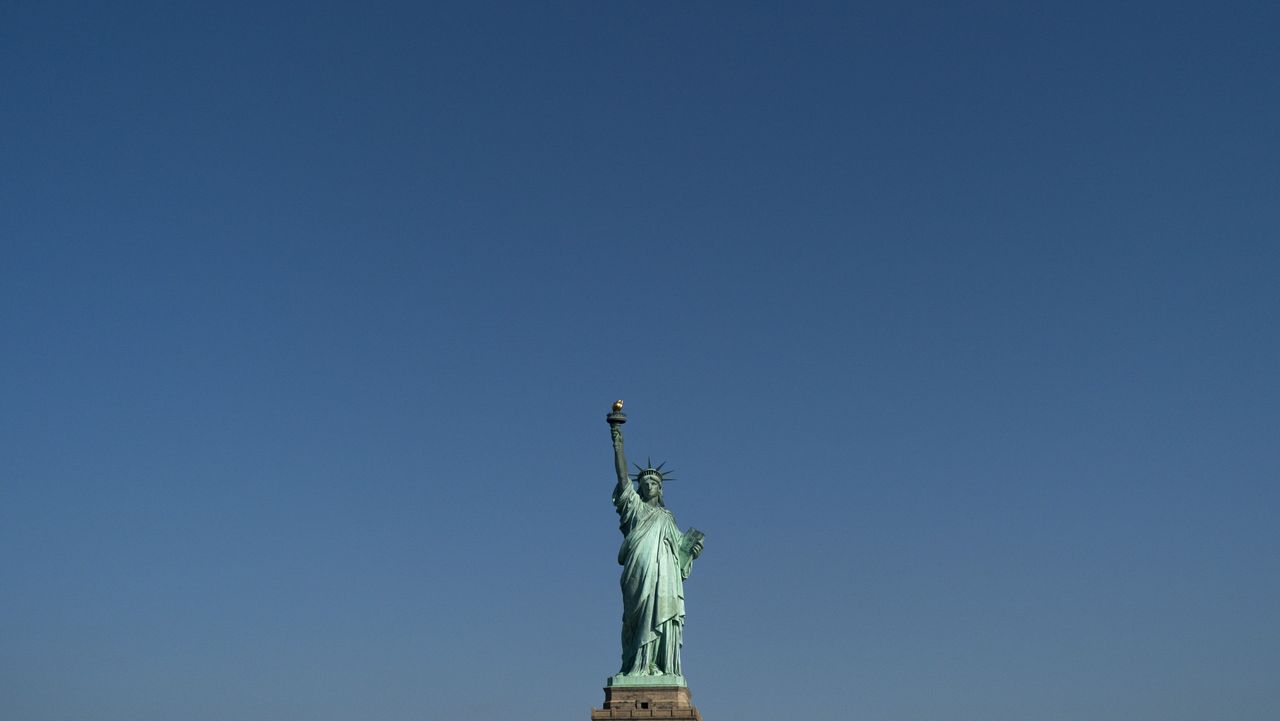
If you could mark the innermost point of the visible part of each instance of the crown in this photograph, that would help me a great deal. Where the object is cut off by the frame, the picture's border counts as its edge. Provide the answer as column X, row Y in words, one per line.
column 651, row 470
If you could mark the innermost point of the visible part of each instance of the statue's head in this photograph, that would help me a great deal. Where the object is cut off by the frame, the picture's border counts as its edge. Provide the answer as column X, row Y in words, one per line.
column 649, row 485
column 649, row 482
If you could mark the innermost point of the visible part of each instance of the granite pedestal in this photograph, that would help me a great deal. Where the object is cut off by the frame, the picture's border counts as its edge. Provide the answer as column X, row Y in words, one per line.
column 668, row 703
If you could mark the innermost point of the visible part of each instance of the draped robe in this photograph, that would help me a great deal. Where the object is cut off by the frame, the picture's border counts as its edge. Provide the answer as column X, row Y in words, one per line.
column 655, row 562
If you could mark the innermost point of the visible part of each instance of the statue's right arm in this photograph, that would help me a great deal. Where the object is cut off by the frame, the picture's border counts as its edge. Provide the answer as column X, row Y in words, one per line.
column 619, row 460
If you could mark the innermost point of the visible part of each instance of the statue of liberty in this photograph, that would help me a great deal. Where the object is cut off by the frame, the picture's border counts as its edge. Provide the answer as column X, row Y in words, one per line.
column 655, row 557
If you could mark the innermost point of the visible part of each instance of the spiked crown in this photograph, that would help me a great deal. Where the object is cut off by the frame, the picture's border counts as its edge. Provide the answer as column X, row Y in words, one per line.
column 650, row 470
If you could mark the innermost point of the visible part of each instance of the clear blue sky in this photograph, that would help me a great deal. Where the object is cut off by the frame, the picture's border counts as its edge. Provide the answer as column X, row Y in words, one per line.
column 957, row 321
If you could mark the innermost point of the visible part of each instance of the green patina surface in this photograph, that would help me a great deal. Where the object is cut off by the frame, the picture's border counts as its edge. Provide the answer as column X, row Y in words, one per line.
column 656, row 557
column 665, row 680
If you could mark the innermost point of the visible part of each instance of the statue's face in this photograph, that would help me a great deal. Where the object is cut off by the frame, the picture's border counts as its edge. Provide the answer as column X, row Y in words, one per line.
column 650, row 487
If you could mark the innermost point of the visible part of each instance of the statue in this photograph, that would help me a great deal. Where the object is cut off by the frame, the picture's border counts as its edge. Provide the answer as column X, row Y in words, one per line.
column 655, row 558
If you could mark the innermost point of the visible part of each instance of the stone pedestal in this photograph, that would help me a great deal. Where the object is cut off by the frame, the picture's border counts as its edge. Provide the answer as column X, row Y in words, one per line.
column 668, row 703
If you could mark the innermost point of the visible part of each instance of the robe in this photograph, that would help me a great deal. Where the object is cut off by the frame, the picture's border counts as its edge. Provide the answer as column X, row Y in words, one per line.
column 655, row 561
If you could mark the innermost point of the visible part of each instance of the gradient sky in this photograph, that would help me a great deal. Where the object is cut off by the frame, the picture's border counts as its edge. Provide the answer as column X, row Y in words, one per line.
column 958, row 323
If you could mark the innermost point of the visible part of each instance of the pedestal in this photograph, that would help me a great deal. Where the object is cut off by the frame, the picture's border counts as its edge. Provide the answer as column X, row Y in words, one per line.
column 668, row 703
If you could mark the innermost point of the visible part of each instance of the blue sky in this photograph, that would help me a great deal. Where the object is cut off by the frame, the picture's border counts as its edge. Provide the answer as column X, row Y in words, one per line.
column 958, row 324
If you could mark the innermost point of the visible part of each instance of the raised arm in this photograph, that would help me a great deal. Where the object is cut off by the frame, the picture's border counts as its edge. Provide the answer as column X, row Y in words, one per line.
column 619, row 459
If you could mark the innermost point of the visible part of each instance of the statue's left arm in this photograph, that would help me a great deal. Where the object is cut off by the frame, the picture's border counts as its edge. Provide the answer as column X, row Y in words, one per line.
column 690, row 548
